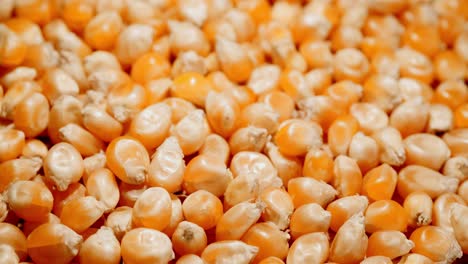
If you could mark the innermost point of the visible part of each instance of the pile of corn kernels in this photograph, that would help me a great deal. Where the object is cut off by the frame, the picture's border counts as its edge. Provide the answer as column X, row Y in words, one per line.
column 233, row 131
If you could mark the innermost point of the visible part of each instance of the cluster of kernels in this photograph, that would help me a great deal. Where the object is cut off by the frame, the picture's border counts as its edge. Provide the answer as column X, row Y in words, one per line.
column 233, row 131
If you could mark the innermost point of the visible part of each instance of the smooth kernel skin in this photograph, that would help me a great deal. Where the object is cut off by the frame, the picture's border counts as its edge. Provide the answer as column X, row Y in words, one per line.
column 260, row 115
column 120, row 221
column 348, row 177
column 318, row 164
column 385, row 215
column 435, row 243
column 85, row 142
column 458, row 212
column 101, row 247
column 271, row 260
column 206, row 173
column 102, row 31
column 32, row 115
column 225, row 251
column 190, row 259
column 442, row 205
column 279, row 109
column 418, row 178
column 53, row 243
column 417, row 150
column 101, row 123
column 365, row 150
column 379, row 183
column 203, row 209
column 269, row 239
column 309, row 218
column 457, row 141
column 300, row 191
column 145, row 245
column 343, row 249
column 63, row 165
column 103, row 186
column 340, row 134
column 150, row 66
column 249, row 138
column 309, row 248
column 74, row 191
column 278, row 206
column 296, row 137
column 463, row 191
column 7, row 254
column 192, row 87
column 12, row 236
column 12, row 142
column 29, row 200
column 152, row 209
column 128, row 159
column 377, row 259
column 191, row 131
column 419, row 207
column 34, row 148
column 223, row 113
column 189, row 238
column 167, row 166
column 151, row 125
column 391, row 244
column 344, row 208
column 237, row 220
column 81, row 213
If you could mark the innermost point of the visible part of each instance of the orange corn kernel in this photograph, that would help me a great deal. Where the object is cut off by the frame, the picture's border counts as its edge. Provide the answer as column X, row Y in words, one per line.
column 101, row 247
column 102, row 185
column 380, row 183
column 128, row 159
column 385, row 215
column 29, row 200
column 138, row 246
column 150, row 66
column 296, row 137
column 318, row 164
column 269, row 239
column 226, row 250
column 278, row 207
column 81, row 213
column 18, row 169
column 414, row 178
column 435, row 243
column 63, row 165
column 300, row 191
column 309, row 218
column 152, row 209
column 76, row 14
column 203, row 209
column 189, row 238
column 56, row 240
column 423, row 38
column 344, row 208
column 341, row 133
column 14, row 237
column 12, row 142
column 351, row 234
column 102, row 31
column 347, row 178
column 206, row 173
column 237, row 220
column 442, row 205
column 390, row 244
column 151, row 125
